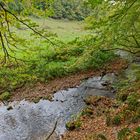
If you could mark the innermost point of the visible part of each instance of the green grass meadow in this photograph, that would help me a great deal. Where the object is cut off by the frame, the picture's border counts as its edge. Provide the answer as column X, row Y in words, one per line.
column 65, row 29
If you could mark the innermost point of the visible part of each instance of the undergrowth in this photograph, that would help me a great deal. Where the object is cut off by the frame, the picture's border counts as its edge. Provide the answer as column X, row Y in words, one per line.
column 43, row 62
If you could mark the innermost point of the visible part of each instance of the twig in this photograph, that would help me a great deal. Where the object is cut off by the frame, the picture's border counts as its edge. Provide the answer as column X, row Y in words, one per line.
column 128, row 8
column 6, row 54
column 52, row 131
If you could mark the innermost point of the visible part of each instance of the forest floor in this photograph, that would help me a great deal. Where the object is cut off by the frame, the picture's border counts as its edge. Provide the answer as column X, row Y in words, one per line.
column 94, row 127
column 94, row 122
column 46, row 90
column 109, row 119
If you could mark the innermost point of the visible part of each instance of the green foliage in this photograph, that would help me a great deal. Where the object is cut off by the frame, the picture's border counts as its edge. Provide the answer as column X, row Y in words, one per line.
column 101, row 137
column 116, row 120
column 16, row 6
column 133, row 101
column 108, row 120
column 44, row 61
column 116, row 24
column 58, row 9
column 72, row 9
column 87, row 111
column 122, row 96
column 126, row 133
column 113, row 120
column 123, row 133
column 138, row 130
column 5, row 96
column 71, row 125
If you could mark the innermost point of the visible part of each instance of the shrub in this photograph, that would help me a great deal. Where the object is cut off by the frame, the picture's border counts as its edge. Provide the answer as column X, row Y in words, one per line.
column 138, row 129
column 122, row 96
column 116, row 120
column 101, row 137
column 87, row 111
column 73, row 124
column 5, row 96
column 108, row 120
column 135, row 118
column 132, row 101
column 123, row 133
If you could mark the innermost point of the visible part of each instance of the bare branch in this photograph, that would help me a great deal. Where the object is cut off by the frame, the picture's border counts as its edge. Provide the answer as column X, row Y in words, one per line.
column 52, row 131
column 6, row 54
column 6, row 39
column 128, row 8
column 8, row 26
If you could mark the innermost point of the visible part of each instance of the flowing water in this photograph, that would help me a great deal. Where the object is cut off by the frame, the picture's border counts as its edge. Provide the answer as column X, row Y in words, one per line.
column 30, row 121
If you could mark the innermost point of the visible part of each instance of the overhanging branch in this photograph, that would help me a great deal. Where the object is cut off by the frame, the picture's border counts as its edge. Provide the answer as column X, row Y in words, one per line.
column 35, row 31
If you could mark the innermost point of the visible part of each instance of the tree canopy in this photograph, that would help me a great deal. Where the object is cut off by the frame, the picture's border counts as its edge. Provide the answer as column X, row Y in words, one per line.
column 115, row 23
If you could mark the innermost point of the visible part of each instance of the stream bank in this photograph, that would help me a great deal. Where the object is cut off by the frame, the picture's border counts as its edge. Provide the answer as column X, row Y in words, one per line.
column 30, row 121
column 24, row 120
column 108, row 119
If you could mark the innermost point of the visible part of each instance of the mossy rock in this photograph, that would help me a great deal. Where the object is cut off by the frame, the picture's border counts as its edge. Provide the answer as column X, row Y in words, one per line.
column 5, row 96
column 9, row 108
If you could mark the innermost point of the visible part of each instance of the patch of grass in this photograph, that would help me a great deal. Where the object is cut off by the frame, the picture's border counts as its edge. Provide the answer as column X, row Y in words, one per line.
column 122, row 96
column 108, row 120
column 92, row 100
column 46, row 64
column 116, row 120
column 71, row 125
column 123, row 133
column 101, row 137
column 126, row 133
column 137, row 129
column 5, row 96
column 133, row 101
column 88, row 111
column 65, row 29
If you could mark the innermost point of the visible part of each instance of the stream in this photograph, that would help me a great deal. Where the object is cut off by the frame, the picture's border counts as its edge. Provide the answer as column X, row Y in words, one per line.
column 30, row 121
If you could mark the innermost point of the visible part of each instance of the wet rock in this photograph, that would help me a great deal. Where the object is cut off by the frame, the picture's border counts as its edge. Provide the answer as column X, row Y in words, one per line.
column 9, row 108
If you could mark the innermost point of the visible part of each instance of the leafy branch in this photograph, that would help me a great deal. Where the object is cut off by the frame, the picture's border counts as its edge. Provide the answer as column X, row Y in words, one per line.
column 6, row 38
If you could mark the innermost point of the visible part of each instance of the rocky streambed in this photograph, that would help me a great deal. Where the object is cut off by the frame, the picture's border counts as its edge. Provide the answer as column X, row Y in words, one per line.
column 29, row 121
